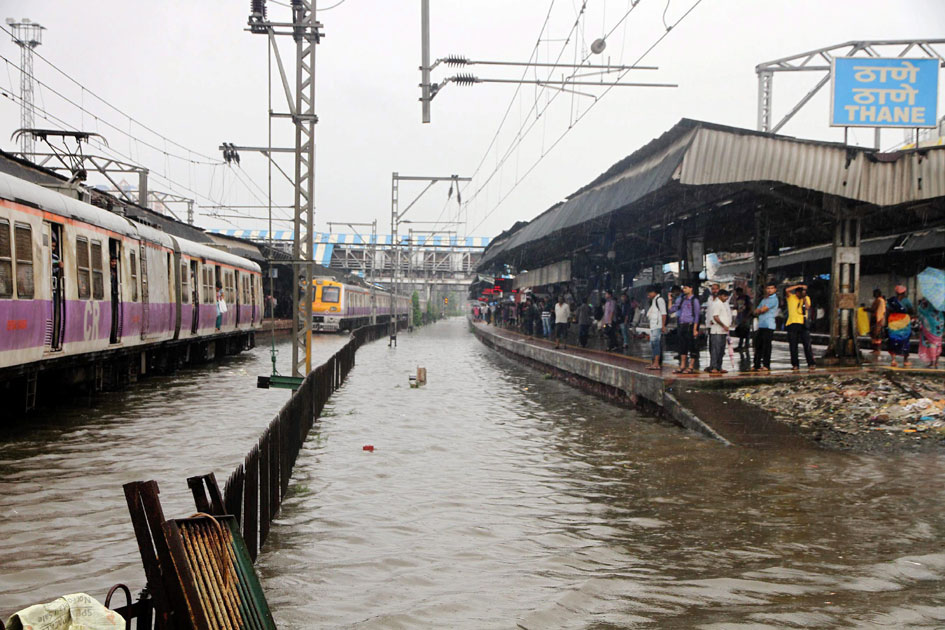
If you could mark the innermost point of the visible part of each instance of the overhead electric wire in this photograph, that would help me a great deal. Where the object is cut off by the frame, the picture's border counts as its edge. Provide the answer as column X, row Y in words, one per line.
column 507, row 109
column 520, row 136
column 171, row 184
column 111, row 106
column 68, row 126
column 97, row 118
column 581, row 116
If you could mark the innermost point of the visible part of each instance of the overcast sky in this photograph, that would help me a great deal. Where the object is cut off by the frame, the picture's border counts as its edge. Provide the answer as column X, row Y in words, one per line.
column 189, row 71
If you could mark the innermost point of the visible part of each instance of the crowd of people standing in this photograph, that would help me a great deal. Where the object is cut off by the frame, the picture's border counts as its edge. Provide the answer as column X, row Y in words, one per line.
column 713, row 321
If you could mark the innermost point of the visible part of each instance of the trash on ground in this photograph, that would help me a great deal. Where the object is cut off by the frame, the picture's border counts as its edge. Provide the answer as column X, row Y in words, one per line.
column 909, row 405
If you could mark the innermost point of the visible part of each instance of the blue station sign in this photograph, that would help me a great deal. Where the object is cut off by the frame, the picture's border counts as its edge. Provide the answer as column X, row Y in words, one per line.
column 874, row 92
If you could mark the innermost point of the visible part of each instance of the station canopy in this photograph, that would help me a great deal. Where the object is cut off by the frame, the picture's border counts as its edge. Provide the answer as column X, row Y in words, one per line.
column 706, row 180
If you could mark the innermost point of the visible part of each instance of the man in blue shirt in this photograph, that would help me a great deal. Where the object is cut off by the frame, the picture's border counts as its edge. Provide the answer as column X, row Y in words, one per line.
column 688, row 309
column 767, row 311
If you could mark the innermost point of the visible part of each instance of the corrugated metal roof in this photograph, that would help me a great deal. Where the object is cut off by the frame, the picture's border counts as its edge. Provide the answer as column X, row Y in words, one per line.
column 695, row 153
column 924, row 240
column 720, row 157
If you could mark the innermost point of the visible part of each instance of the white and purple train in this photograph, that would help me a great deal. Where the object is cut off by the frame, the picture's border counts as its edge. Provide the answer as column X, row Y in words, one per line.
column 77, row 281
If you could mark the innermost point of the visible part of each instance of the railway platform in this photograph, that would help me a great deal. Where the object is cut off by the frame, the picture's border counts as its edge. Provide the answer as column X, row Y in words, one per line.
column 692, row 401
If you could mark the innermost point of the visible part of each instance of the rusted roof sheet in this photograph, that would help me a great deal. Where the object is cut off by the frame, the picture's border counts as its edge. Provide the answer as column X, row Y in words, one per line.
column 718, row 156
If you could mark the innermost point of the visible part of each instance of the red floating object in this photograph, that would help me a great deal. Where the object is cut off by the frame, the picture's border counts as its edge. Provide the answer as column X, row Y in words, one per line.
column 368, row 447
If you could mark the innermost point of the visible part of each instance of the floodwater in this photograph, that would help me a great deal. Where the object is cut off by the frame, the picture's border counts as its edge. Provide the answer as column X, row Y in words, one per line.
column 494, row 498
column 64, row 524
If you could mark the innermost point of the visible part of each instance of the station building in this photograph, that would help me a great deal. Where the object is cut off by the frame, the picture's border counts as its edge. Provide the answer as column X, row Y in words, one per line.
column 845, row 219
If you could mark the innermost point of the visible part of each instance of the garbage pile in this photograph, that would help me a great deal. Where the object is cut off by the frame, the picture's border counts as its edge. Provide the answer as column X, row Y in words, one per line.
column 852, row 410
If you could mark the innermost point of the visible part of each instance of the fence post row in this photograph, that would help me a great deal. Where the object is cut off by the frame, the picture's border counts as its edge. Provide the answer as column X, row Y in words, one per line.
column 255, row 489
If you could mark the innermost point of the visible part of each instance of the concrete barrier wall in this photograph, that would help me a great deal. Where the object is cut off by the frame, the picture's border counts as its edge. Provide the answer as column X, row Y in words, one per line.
column 620, row 383
column 634, row 384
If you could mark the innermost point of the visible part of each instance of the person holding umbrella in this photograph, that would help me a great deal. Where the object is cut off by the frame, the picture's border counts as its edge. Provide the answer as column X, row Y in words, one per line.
column 931, row 325
column 932, row 287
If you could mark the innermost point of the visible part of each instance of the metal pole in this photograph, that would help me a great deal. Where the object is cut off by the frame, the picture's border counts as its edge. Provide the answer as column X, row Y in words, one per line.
column 394, row 254
column 425, row 58
column 765, row 81
column 306, row 37
column 272, row 290
column 143, row 188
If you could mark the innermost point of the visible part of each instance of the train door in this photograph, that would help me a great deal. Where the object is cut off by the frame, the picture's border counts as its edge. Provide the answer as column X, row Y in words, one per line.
column 56, row 324
column 145, row 303
column 173, row 288
column 114, row 266
column 218, row 275
column 195, row 318
column 252, row 295
column 237, row 289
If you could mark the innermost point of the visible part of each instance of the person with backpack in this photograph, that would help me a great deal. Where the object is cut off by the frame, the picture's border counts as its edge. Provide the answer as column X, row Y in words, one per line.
column 687, row 310
column 656, row 320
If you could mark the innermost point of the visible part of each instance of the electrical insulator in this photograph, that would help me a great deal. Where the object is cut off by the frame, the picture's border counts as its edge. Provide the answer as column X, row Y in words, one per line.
column 455, row 60
column 464, row 79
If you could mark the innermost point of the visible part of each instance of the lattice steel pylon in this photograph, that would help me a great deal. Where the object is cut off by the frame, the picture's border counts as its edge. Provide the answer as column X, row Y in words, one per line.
column 820, row 60
column 305, row 30
column 27, row 35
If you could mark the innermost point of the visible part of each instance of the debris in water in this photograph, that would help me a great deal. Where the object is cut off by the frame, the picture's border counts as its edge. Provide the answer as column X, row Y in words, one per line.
column 850, row 407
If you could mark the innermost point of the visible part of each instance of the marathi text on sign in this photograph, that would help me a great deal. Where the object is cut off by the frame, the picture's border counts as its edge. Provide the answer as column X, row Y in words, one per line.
column 873, row 92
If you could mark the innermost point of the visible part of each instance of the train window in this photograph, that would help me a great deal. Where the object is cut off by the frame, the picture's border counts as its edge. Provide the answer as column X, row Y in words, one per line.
column 23, row 240
column 98, row 277
column 134, row 277
column 6, row 261
column 330, row 294
column 184, row 283
column 82, row 267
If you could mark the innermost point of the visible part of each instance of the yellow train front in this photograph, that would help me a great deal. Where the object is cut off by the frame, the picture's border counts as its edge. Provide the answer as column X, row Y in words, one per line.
column 338, row 306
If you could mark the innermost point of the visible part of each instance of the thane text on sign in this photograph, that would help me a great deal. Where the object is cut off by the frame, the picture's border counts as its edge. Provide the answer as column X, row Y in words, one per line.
column 884, row 92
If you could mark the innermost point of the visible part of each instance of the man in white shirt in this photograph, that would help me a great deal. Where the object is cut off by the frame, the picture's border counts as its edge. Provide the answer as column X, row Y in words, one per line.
column 562, row 315
column 656, row 320
column 719, row 317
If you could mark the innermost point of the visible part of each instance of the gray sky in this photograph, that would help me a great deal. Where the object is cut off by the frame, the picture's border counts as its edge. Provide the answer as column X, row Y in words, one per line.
column 189, row 71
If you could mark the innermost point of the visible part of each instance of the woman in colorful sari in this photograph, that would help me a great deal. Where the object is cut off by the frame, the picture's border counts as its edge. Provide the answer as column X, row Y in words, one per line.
column 931, row 325
column 899, row 324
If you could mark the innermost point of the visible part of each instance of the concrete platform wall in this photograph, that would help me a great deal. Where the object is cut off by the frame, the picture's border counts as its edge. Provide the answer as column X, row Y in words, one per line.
column 619, row 383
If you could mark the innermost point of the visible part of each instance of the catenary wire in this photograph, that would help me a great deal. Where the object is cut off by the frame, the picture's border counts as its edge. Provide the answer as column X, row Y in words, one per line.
column 566, row 131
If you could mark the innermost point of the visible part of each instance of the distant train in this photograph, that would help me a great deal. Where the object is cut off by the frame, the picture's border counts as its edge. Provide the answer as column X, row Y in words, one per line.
column 80, row 282
column 338, row 306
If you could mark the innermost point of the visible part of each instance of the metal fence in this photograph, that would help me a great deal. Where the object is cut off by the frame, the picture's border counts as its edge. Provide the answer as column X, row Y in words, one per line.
column 254, row 491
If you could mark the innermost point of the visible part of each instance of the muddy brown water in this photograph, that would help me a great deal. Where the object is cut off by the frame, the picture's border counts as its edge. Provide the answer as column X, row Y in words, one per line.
column 494, row 498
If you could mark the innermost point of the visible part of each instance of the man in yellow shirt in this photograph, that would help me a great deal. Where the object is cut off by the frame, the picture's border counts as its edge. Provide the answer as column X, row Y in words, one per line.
column 798, row 324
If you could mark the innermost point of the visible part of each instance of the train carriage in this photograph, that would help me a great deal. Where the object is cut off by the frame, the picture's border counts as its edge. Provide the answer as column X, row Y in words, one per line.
column 338, row 306
column 77, row 280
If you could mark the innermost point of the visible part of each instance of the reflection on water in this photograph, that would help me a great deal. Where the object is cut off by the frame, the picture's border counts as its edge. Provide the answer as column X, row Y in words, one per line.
column 493, row 499
column 496, row 498
column 64, row 526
